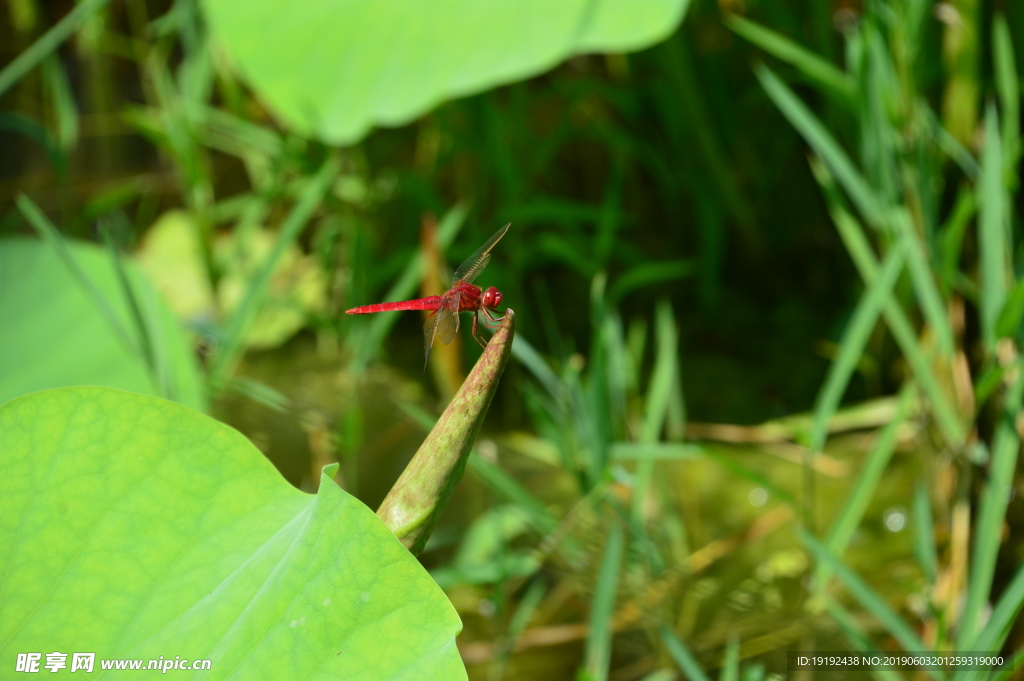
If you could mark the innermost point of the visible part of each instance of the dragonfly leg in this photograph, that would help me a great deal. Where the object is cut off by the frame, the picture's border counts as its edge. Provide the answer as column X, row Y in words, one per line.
column 476, row 331
column 491, row 317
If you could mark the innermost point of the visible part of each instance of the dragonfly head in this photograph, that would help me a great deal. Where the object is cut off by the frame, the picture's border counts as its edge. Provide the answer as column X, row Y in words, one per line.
column 492, row 298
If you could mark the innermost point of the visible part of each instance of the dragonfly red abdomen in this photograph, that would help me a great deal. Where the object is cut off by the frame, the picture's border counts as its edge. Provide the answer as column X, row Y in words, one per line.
column 428, row 303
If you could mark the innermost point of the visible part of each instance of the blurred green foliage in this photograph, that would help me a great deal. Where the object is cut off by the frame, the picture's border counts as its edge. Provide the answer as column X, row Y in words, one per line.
column 782, row 208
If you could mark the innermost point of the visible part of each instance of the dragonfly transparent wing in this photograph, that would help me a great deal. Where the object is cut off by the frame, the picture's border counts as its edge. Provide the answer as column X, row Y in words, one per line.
column 429, row 331
column 448, row 317
column 471, row 269
column 444, row 324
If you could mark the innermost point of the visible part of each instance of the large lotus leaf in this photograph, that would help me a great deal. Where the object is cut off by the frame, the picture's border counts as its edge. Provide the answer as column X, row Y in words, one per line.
column 135, row 528
column 54, row 334
column 334, row 68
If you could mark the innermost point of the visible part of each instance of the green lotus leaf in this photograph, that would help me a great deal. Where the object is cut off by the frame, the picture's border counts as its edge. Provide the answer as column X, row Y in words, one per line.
column 135, row 528
column 56, row 334
column 334, row 68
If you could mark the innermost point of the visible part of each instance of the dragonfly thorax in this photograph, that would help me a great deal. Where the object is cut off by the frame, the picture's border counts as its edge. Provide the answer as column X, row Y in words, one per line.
column 492, row 298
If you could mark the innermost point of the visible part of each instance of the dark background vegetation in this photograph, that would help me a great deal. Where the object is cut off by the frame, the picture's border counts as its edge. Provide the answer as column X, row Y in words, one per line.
column 670, row 168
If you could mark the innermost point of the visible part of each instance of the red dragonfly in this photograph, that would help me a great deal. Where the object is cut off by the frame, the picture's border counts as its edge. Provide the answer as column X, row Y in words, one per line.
column 463, row 296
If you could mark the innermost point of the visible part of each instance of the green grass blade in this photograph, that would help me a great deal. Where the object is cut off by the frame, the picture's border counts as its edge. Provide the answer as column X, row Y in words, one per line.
column 903, row 332
column 914, row 15
column 988, row 528
column 754, row 672
column 852, row 511
column 864, row 259
column 992, row 237
column 925, row 288
column 49, row 233
column 598, row 650
column 952, row 236
column 878, row 159
column 591, row 423
column 611, row 344
column 68, row 123
column 658, row 394
column 636, row 343
column 675, row 419
column 237, row 136
column 851, row 346
column 238, row 324
column 824, row 145
column 663, row 373
column 989, row 380
column 158, row 371
column 682, row 656
column 817, row 69
column 867, row 598
column 525, row 610
column 535, row 364
column 858, row 638
column 508, row 487
column 951, row 146
column 731, row 661
column 261, row 393
column 598, row 300
column 1008, row 87
column 1004, row 615
column 1012, row 313
column 48, row 43
column 924, row 533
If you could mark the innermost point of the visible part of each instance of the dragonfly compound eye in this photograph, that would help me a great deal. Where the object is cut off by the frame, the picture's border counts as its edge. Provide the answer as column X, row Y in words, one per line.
column 492, row 297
